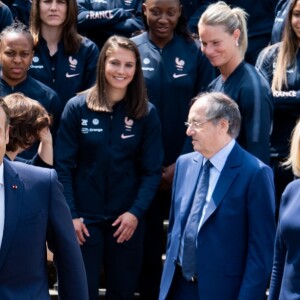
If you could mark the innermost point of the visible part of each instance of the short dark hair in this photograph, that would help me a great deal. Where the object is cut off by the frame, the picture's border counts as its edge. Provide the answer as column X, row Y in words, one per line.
column 27, row 118
column 220, row 106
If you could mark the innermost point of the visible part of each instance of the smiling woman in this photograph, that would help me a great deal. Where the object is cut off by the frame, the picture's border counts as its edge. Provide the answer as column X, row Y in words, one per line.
column 119, row 71
column 223, row 37
column 108, row 156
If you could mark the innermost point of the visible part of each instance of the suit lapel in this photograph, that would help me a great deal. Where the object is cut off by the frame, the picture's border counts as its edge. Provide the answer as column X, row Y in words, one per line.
column 230, row 171
column 190, row 179
column 13, row 200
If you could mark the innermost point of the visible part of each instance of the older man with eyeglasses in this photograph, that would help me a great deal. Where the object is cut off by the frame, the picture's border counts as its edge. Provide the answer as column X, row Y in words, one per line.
column 222, row 225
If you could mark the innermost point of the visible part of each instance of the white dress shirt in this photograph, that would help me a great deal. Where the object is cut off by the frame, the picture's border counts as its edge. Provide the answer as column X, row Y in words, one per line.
column 218, row 161
column 2, row 204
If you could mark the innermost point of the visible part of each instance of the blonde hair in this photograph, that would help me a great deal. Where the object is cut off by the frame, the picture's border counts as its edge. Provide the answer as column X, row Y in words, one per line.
column 287, row 52
column 230, row 18
column 293, row 160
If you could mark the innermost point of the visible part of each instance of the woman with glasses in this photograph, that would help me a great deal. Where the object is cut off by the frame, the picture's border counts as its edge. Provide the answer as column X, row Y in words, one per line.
column 223, row 37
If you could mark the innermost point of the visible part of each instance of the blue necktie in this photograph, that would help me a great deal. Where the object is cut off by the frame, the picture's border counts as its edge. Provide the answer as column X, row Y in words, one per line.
column 192, row 225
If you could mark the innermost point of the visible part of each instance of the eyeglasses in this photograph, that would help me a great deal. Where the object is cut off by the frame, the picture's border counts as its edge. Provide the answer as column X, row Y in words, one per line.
column 195, row 124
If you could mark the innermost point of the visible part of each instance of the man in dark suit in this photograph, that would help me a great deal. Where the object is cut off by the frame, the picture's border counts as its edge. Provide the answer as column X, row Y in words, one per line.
column 235, row 230
column 33, row 211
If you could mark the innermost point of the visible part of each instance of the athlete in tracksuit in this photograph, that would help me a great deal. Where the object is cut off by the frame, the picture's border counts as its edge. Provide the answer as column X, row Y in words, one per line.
column 98, row 20
column 174, row 74
column 65, row 74
column 38, row 91
column 286, row 113
column 109, row 164
column 253, row 95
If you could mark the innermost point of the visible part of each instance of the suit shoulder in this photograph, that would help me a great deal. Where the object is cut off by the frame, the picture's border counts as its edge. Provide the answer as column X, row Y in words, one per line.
column 29, row 171
column 290, row 195
column 189, row 157
column 293, row 187
column 240, row 157
column 252, row 162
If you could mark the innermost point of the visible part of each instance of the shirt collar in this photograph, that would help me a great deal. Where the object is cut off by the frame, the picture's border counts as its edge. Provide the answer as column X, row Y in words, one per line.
column 1, row 174
column 219, row 159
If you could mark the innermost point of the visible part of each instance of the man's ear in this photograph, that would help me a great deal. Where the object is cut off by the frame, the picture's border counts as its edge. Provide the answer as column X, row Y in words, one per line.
column 224, row 125
column 144, row 7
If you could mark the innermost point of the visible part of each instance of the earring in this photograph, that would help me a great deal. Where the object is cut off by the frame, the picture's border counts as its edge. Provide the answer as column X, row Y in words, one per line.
column 237, row 43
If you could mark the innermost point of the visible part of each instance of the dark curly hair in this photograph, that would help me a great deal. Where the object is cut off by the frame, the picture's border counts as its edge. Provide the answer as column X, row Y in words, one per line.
column 27, row 118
